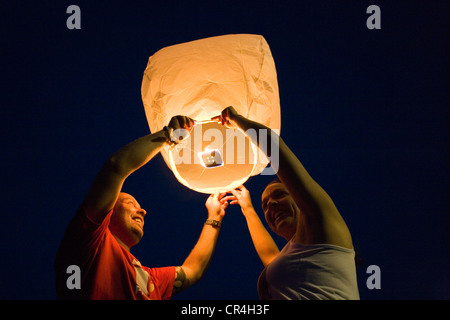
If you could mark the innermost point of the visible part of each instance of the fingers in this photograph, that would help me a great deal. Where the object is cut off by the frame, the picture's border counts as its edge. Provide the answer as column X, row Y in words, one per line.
column 217, row 118
column 218, row 195
column 226, row 115
column 239, row 190
column 224, row 205
column 181, row 127
column 221, row 119
column 181, row 122
column 226, row 198
column 229, row 198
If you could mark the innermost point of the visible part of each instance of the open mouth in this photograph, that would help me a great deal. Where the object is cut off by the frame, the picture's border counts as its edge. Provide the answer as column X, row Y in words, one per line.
column 279, row 216
column 138, row 220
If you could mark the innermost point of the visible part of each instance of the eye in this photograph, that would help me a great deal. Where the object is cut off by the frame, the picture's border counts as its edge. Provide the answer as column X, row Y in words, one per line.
column 264, row 205
column 280, row 194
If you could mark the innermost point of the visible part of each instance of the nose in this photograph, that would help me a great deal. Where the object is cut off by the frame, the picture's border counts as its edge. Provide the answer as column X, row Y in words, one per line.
column 142, row 212
column 272, row 203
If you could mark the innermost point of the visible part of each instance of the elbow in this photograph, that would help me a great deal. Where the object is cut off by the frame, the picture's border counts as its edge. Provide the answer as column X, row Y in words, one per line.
column 116, row 165
column 193, row 275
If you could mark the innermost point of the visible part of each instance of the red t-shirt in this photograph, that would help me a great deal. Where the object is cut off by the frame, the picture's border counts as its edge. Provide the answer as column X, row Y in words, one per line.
column 107, row 270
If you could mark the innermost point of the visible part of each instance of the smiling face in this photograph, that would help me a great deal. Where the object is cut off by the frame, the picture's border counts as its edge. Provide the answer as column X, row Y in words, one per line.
column 127, row 220
column 280, row 210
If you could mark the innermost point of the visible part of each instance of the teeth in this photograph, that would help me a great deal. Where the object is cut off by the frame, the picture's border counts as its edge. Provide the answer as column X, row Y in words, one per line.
column 138, row 220
column 278, row 216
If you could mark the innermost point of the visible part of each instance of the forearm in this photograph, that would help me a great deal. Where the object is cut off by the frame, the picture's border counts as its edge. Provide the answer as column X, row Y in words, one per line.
column 321, row 221
column 264, row 244
column 286, row 164
column 198, row 260
column 137, row 153
column 105, row 189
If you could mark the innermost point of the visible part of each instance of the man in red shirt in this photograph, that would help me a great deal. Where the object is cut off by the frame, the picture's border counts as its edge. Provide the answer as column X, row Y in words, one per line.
column 109, row 222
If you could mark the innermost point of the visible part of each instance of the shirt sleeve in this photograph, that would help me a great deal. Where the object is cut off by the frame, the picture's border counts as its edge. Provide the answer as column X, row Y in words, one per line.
column 81, row 239
column 163, row 278
column 79, row 245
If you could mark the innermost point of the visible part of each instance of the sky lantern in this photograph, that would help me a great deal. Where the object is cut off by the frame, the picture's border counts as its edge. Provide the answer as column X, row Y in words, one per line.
column 199, row 79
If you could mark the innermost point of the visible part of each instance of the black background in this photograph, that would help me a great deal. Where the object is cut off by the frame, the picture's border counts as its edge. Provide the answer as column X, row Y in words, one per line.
column 366, row 111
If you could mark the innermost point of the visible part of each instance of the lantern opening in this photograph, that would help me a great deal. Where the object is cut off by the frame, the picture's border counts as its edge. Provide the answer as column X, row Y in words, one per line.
column 213, row 158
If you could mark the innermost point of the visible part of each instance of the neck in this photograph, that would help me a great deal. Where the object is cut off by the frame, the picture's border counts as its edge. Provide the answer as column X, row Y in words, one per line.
column 122, row 243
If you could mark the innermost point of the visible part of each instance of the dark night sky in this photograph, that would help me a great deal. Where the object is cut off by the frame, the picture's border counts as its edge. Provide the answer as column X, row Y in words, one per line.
column 366, row 111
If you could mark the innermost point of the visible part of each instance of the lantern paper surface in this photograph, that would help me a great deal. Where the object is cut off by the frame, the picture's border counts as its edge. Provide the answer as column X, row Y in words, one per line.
column 199, row 79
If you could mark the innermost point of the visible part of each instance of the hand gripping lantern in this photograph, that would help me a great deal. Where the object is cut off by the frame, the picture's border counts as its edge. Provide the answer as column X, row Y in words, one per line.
column 199, row 79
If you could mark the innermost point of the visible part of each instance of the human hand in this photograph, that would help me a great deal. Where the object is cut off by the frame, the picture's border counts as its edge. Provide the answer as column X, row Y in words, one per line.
column 216, row 205
column 227, row 116
column 242, row 197
column 180, row 127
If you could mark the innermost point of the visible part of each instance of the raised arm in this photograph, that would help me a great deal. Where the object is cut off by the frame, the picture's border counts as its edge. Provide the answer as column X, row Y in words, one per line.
column 199, row 258
column 264, row 244
column 321, row 223
column 106, row 186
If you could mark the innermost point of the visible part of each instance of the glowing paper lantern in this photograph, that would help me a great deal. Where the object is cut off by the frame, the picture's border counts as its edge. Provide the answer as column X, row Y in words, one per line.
column 199, row 79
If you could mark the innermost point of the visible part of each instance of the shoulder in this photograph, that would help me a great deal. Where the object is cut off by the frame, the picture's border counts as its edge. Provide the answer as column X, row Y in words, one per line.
column 82, row 234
